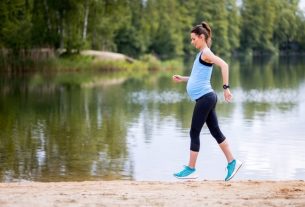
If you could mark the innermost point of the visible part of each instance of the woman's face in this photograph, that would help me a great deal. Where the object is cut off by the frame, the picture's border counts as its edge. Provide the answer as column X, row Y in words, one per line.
column 197, row 40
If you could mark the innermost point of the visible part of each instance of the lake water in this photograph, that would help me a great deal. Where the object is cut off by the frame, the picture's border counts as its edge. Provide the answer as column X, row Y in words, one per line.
column 125, row 126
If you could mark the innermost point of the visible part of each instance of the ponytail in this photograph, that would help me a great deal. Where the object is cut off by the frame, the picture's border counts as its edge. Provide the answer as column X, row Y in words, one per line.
column 204, row 29
column 206, row 26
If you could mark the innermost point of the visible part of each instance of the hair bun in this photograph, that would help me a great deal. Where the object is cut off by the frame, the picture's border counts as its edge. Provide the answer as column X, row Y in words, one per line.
column 205, row 25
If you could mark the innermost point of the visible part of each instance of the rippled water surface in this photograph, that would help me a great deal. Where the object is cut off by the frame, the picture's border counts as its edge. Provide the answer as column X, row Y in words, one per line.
column 69, row 126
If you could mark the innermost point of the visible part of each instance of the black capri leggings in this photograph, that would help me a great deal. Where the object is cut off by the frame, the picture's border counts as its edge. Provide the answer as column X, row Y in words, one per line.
column 204, row 111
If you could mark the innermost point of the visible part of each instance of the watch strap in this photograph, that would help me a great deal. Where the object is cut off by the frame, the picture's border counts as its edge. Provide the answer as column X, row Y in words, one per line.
column 225, row 86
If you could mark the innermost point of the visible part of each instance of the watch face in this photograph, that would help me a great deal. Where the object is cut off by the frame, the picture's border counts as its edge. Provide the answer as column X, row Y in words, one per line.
column 225, row 86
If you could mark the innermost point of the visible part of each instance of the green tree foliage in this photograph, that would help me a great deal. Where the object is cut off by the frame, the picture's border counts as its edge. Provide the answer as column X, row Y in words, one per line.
column 300, row 35
column 138, row 27
column 234, row 23
column 15, row 31
column 287, row 23
column 271, row 26
column 106, row 17
column 131, row 38
column 258, row 17
column 166, row 33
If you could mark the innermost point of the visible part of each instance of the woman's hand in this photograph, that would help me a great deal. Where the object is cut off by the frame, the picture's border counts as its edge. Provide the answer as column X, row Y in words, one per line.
column 179, row 78
column 227, row 94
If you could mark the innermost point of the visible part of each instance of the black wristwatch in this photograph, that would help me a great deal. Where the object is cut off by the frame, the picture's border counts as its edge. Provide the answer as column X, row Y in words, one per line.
column 225, row 86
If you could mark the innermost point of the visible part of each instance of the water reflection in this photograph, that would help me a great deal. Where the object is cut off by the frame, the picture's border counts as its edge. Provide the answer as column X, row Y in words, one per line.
column 58, row 127
column 55, row 133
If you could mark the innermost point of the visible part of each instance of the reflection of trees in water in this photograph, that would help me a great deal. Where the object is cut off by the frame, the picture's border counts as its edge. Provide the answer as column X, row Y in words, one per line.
column 272, row 72
column 260, row 85
column 69, row 134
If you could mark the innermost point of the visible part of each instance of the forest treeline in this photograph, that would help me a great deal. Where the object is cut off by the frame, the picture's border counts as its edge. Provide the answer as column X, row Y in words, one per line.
column 159, row 27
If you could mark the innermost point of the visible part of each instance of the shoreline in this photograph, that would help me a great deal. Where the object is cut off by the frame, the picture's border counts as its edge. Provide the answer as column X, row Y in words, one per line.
column 154, row 193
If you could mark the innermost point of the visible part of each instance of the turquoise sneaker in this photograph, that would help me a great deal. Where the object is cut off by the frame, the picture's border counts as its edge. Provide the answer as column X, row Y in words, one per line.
column 186, row 173
column 232, row 168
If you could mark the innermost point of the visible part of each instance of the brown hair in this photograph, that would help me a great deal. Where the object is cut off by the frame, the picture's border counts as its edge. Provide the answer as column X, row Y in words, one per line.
column 204, row 29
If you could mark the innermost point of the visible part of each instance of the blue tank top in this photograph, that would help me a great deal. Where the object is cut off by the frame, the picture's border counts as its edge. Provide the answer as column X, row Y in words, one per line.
column 199, row 82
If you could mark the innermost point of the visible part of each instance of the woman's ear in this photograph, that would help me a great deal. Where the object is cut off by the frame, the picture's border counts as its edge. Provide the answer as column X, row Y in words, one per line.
column 202, row 36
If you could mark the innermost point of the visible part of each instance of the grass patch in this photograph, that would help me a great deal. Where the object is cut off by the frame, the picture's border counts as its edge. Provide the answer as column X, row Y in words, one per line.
column 78, row 62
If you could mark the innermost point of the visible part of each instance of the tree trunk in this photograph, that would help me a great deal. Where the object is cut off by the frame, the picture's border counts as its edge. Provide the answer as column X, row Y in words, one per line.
column 93, row 44
column 86, row 19
column 47, row 15
column 60, row 16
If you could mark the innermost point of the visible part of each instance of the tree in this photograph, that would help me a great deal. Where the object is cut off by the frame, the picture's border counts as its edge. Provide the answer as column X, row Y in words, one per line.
column 258, row 19
column 105, row 20
column 187, row 20
column 234, row 23
column 137, row 27
column 286, row 25
column 300, row 35
column 166, row 32
column 131, row 38
column 15, row 25
column 215, row 13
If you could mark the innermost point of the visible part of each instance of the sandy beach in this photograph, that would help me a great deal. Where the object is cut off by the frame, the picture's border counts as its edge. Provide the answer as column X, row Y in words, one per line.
column 144, row 193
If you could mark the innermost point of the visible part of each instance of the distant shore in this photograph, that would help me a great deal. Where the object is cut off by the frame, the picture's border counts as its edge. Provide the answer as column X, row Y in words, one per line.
column 47, row 60
column 146, row 193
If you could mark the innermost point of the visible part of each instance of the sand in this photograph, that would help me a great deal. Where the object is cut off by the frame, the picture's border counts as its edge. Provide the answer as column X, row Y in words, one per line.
column 143, row 193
